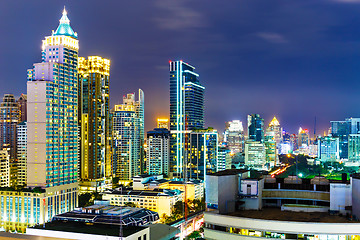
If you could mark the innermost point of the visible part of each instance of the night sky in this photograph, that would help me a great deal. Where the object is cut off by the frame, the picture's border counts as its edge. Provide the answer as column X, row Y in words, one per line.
column 293, row 59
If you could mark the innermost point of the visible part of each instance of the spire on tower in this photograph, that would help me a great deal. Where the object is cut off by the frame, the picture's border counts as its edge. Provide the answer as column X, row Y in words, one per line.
column 64, row 27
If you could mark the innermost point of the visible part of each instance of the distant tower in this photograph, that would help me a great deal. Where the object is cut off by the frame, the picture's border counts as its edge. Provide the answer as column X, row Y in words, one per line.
column 274, row 131
column 9, row 118
column 22, row 107
column 256, row 127
column 95, row 135
column 22, row 153
column 163, row 123
column 234, row 136
column 158, row 151
column 186, row 110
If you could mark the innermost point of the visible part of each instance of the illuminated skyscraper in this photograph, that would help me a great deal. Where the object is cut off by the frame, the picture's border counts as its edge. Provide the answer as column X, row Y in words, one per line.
column 95, row 135
column 256, row 127
column 52, row 126
column 9, row 118
column 255, row 154
column 22, row 104
column 274, row 131
column 186, row 110
column 303, row 138
column 157, row 154
column 234, row 136
column 21, row 153
column 202, row 153
column 328, row 149
column 127, row 134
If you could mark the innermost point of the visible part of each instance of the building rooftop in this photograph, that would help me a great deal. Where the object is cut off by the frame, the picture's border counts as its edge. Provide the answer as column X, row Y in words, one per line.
column 149, row 193
column 229, row 172
column 13, row 236
column 277, row 214
column 93, row 228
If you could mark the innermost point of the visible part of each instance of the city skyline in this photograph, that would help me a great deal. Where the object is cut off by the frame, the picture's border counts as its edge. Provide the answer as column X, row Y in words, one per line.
column 271, row 55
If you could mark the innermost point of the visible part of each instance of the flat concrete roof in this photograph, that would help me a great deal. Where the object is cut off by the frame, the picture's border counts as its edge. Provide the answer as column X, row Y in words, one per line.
column 13, row 236
column 277, row 214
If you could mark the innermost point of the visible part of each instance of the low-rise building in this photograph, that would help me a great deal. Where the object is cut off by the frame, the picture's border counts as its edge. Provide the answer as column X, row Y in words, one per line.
column 158, row 200
column 287, row 208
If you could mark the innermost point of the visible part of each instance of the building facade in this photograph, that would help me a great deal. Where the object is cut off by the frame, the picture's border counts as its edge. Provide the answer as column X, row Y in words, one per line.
column 22, row 100
column 328, row 149
column 52, row 127
column 186, row 110
column 22, row 153
column 95, row 133
column 202, row 153
column 4, row 168
column 234, row 136
column 158, row 152
column 255, row 127
column 9, row 118
column 255, row 154
column 127, row 137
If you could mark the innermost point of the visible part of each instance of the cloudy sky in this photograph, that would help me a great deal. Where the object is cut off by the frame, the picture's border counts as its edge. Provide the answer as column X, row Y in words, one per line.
column 289, row 58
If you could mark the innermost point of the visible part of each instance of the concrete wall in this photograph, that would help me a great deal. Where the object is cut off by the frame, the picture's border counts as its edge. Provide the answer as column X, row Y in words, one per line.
column 356, row 197
column 340, row 197
column 223, row 191
column 282, row 226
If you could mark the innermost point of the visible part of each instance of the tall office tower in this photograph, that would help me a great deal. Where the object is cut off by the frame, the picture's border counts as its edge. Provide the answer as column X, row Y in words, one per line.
column 163, row 123
column 21, row 153
column 355, row 125
column 303, row 138
column 234, row 136
column 4, row 169
column 127, row 137
column 294, row 142
column 271, row 152
column 93, row 112
column 158, row 152
column 202, row 153
column 224, row 159
column 186, row 110
column 52, row 125
column 255, row 154
column 255, row 127
column 328, row 149
column 22, row 100
column 341, row 130
column 9, row 118
column 354, row 149
column 274, row 130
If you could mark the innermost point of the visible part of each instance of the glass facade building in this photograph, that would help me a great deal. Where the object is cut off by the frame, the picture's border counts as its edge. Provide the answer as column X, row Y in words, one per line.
column 9, row 118
column 52, row 124
column 202, row 153
column 95, row 133
column 157, row 154
column 186, row 110
column 127, row 137
column 256, row 127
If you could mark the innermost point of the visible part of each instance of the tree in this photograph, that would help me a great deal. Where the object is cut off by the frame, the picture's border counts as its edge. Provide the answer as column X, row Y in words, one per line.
column 194, row 235
column 85, row 199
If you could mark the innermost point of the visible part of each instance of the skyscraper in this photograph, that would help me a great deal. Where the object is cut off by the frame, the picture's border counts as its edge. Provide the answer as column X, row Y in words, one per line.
column 9, row 118
column 256, row 127
column 157, row 154
column 274, row 131
column 202, row 153
column 21, row 153
column 163, row 123
column 127, row 134
column 186, row 110
column 95, row 135
column 234, row 136
column 303, row 138
column 52, row 147
column 22, row 100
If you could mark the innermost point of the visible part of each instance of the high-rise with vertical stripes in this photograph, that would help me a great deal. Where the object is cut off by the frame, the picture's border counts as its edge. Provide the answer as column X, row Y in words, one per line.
column 186, row 110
